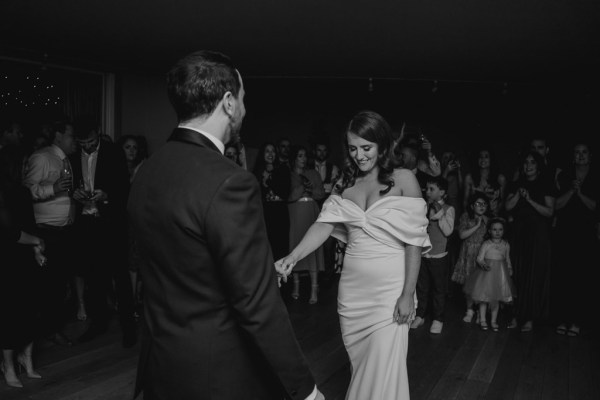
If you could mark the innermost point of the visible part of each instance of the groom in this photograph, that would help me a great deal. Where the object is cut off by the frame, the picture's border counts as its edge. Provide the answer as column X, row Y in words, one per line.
column 215, row 326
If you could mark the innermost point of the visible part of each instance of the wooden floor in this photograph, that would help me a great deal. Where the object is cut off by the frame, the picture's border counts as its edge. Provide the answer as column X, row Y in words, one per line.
column 461, row 363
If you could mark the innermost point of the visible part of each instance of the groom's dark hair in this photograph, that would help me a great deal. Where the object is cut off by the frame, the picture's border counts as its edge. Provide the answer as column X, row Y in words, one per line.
column 197, row 82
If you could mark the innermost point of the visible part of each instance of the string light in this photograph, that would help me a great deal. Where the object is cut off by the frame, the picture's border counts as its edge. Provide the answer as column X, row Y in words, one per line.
column 27, row 91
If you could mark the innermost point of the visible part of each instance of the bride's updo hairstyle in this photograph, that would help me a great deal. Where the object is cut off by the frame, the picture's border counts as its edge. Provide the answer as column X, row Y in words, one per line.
column 372, row 127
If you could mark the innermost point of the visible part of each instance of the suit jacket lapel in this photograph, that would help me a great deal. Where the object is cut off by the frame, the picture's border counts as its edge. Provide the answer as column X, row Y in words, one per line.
column 192, row 137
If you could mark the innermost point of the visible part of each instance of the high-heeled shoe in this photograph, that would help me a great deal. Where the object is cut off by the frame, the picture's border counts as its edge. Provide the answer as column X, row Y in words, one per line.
column 81, row 313
column 527, row 326
column 494, row 326
column 10, row 381
column 27, row 365
column 313, row 294
column 296, row 290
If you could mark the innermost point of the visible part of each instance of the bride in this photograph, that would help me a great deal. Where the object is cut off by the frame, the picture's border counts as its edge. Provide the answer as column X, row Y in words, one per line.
column 380, row 213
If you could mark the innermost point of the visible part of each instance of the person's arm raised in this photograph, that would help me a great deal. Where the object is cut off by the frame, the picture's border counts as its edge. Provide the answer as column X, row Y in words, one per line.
column 314, row 237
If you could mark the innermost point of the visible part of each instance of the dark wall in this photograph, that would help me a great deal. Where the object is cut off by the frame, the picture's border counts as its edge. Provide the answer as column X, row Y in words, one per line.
column 458, row 116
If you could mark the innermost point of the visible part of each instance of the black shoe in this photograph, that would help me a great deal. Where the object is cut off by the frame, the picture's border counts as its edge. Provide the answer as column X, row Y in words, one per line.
column 129, row 339
column 61, row 339
column 91, row 334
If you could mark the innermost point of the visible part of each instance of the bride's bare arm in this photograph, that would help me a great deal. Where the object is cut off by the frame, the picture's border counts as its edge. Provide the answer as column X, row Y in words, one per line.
column 405, row 306
column 406, row 184
column 314, row 237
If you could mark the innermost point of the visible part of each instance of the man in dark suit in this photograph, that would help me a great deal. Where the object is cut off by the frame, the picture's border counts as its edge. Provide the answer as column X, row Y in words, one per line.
column 101, row 188
column 215, row 326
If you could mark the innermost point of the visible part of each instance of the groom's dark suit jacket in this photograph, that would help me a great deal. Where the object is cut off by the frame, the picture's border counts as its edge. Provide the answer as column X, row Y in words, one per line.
column 215, row 326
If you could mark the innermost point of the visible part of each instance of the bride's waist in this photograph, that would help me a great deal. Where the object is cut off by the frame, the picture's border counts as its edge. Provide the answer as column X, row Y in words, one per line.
column 373, row 249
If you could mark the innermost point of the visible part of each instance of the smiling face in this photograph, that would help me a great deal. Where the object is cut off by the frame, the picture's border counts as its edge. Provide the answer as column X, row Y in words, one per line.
column 362, row 152
column 484, row 159
column 581, row 154
column 269, row 154
column 530, row 167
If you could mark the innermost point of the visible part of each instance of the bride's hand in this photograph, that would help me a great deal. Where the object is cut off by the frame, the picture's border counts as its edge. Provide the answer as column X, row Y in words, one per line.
column 284, row 267
column 404, row 311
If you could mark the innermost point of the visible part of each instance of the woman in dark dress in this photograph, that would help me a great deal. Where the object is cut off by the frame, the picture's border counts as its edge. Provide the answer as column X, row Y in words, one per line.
column 579, row 192
column 530, row 200
column 274, row 180
column 306, row 190
column 22, row 256
column 485, row 178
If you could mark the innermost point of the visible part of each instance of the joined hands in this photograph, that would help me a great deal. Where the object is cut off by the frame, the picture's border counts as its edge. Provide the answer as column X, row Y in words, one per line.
column 284, row 268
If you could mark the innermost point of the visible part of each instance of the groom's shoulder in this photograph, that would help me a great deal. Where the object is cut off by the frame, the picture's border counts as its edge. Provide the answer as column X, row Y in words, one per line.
column 237, row 176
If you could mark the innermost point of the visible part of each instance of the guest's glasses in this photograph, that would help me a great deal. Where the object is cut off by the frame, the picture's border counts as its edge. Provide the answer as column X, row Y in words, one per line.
column 480, row 204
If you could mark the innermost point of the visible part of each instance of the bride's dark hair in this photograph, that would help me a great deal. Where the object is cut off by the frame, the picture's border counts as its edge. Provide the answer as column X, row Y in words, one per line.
column 370, row 126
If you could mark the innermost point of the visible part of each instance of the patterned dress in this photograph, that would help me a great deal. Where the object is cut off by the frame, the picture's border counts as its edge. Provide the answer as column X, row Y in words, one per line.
column 467, row 258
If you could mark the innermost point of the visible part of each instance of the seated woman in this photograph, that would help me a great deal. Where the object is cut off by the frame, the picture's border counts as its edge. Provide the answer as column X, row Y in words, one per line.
column 306, row 187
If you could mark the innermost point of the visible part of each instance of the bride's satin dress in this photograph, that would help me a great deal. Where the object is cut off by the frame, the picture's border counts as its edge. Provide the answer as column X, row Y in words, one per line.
column 371, row 282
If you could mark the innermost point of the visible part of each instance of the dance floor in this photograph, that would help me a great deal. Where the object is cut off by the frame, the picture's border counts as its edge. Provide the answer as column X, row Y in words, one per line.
column 461, row 363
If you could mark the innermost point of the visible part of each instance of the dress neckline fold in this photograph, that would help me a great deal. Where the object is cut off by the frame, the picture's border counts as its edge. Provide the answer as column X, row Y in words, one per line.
column 392, row 196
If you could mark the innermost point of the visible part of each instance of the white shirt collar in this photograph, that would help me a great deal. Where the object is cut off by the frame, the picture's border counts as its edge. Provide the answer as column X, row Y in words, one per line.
column 210, row 137
column 93, row 153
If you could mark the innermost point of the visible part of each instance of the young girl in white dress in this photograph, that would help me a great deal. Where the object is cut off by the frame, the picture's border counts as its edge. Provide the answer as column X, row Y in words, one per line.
column 491, row 283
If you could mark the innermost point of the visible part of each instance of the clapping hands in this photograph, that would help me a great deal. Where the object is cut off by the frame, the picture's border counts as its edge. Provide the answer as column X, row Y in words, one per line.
column 308, row 186
column 576, row 186
column 524, row 194
column 38, row 253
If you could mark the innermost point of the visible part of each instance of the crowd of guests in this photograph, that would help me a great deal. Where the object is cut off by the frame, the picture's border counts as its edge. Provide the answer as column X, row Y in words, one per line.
column 294, row 181
column 510, row 240
column 64, row 236
column 516, row 242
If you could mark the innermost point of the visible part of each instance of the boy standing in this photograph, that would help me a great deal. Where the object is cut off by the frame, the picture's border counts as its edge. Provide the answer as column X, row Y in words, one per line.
column 433, row 275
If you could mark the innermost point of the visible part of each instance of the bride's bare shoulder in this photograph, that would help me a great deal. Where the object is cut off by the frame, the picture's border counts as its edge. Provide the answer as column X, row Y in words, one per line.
column 406, row 182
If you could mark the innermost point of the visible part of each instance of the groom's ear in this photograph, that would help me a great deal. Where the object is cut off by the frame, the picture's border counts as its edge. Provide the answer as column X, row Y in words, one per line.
column 229, row 103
